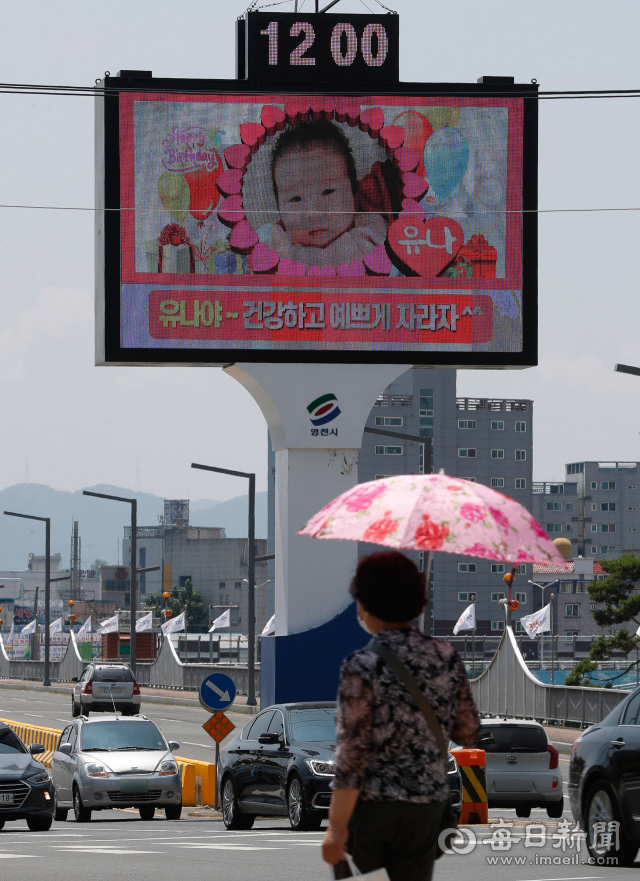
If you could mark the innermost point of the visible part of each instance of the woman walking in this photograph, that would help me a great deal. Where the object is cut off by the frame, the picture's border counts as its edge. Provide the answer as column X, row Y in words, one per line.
column 390, row 787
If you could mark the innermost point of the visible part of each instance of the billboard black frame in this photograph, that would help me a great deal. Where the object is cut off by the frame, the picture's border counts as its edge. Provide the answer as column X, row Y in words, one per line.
column 107, row 229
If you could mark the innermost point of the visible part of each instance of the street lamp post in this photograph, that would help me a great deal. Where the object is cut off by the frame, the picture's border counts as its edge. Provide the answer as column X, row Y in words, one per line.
column 47, row 587
column 251, row 660
column 543, row 587
column 133, row 602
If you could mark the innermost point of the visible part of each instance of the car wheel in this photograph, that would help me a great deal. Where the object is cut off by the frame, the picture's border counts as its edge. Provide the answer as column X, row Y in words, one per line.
column 173, row 812
column 82, row 814
column 601, row 808
column 523, row 811
column 75, row 711
column 40, row 823
column 83, row 710
column 59, row 814
column 555, row 809
column 299, row 817
column 232, row 817
column 147, row 812
column 1, row 824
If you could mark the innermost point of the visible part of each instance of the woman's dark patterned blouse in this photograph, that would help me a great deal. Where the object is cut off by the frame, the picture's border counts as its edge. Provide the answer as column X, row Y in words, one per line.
column 384, row 746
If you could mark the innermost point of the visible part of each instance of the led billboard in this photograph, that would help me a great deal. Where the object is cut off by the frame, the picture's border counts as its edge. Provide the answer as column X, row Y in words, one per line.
column 244, row 225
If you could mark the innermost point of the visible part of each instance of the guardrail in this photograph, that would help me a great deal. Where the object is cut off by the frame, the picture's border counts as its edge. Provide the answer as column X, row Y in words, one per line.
column 198, row 778
column 166, row 671
column 508, row 688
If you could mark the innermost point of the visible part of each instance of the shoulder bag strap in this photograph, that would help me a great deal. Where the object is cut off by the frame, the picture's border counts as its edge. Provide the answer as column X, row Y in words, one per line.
column 409, row 681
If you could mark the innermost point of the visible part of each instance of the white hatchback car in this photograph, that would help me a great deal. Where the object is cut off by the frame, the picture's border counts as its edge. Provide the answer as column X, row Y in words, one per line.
column 522, row 767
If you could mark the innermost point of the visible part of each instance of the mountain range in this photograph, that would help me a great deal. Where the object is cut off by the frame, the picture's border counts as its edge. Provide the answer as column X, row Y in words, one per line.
column 101, row 522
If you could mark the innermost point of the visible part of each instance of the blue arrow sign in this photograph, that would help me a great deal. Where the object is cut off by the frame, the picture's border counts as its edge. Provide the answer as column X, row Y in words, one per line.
column 217, row 691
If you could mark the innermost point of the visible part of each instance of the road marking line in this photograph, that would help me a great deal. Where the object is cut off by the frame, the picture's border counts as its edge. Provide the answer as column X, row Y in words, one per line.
column 203, row 745
column 227, row 847
column 579, row 878
column 105, row 850
column 18, row 856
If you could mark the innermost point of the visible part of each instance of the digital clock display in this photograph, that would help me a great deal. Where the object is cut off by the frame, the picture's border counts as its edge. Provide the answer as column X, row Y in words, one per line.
column 321, row 48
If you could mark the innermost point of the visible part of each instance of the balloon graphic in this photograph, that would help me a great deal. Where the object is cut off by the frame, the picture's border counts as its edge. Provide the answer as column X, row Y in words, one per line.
column 446, row 157
column 204, row 193
column 173, row 191
column 439, row 117
column 417, row 131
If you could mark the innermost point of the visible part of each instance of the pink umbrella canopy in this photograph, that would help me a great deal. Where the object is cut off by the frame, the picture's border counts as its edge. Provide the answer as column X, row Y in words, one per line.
column 434, row 512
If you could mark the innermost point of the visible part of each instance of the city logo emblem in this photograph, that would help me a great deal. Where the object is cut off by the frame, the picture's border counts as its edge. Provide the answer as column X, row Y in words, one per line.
column 324, row 409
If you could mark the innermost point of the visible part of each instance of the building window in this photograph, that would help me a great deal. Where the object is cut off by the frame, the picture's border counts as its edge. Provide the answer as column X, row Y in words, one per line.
column 521, row 455
column 522, row 569
column 497, row 426
column 467, row 567
column 467, row 423
column 607, row 506
column 594, row 484
column 497, row 567
column 608, row 484
column 519, row 628
column 608, row 527
column 633, row 487
column 605, row 548
column 594, row 527
column 182, row 580
column 566, row 587
column 497, row 482
column 464, row 597
column 632, row 529
column 554, row 527
column 568, row 527
column 235, row 615
column 577, row 468
column 497, row 625
column 572, row 633
column 554, row 506
column 572, row 610
column 390, row 420
column 497, row 454
column 633, row 509
column 466, row 453
column 222, row 585
column 594, row 549
column 593, row 607
column 521, row 426
column 382, row 476
column 569, row 506
column 496, row 596
column 426, row 399
column 389, row 451
column 594, row 507
column 237, row 585
column 470, row 479
column 521, row 597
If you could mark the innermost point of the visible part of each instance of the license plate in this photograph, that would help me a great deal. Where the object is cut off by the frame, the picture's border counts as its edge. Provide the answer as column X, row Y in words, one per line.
column 6, row 798
column 136, row 784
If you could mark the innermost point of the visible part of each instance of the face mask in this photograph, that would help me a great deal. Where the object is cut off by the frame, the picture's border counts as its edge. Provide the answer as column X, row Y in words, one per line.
column 364, row 625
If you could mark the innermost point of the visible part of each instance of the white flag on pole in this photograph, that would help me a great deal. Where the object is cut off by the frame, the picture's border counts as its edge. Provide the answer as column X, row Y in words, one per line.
column 223, row 621
column 144, row 623
column 538, row 622
column 56, row 626
column 270, row 627
column 466, row 621
column 86, row 628
column 173, row 625
column 29, row 628
column 110, row 625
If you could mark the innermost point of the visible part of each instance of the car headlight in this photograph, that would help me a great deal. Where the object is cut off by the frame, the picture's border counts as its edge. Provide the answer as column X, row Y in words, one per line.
column 40, row 777
column 95, row 770
column 168, row 768
column 321, row 769
column 453, row 765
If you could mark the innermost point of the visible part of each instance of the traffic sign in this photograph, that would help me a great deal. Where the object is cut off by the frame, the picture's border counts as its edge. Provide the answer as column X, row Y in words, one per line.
column 218, row 726
column 217, row 692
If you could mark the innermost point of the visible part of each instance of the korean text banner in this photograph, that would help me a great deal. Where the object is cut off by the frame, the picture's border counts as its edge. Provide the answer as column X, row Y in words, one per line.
column 280, row 227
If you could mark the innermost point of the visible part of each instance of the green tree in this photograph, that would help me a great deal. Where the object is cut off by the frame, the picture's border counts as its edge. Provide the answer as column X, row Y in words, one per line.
column 621, row 605
column 98, row 562
column 181, row 599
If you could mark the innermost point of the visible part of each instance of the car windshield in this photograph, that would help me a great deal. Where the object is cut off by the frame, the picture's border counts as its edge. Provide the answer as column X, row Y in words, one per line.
column 9, row 743
column 121, row 735
column 112, row 674
column 313, row 724
column 515, row 738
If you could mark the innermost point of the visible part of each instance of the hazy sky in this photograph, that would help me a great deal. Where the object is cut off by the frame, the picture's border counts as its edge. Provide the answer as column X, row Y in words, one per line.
column 141, row 427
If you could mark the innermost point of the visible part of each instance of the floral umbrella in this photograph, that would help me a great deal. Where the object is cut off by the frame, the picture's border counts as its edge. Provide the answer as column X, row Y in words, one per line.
column 434, row 512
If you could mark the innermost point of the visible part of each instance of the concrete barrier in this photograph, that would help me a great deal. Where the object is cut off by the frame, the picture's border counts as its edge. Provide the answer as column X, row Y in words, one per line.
column 198, row 778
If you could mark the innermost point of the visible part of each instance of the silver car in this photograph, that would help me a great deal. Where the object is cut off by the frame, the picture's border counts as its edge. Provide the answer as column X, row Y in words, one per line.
column 101, row 764
column 106, row 688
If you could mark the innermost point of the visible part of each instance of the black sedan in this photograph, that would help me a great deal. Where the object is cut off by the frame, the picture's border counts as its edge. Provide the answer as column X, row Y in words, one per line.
column 26, row 790
column 604, row 785
column 281, row 765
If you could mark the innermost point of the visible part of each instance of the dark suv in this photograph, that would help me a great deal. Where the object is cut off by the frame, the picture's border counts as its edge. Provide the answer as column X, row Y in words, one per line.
column 26, row 790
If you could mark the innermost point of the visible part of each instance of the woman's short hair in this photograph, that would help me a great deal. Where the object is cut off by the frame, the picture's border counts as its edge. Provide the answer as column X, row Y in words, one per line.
column 389, row 586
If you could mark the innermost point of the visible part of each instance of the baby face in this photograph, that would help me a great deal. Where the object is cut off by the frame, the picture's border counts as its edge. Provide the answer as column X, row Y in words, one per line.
column 314, row 195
